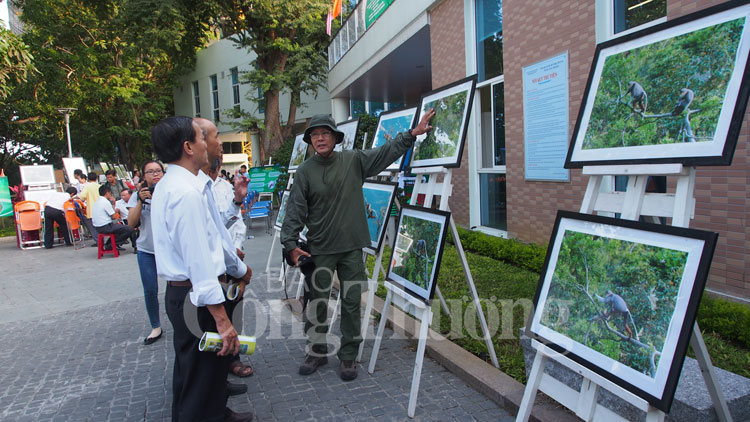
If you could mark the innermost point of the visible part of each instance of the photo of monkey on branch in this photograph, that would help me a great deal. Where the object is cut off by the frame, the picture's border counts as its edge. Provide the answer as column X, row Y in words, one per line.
column 615, row 297
column 666, row 92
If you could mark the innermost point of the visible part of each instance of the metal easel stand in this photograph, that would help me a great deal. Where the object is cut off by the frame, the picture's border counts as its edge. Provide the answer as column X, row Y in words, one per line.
column 277, row 236
column 631, row 204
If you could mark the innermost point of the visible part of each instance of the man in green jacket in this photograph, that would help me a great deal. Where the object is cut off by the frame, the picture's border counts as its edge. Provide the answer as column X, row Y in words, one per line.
column 327, row 198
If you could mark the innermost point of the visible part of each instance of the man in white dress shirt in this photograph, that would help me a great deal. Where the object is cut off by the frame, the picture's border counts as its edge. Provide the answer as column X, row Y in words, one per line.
column 106, row 221
column 191, row 261
column 228, row 201
column 54, row 212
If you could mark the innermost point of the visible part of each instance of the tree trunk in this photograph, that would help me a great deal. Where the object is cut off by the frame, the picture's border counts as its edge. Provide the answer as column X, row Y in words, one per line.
column 289, row 127
column 272, row 137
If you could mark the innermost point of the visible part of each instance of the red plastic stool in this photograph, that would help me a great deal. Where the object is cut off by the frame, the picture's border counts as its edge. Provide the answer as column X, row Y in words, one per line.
column 100, row 243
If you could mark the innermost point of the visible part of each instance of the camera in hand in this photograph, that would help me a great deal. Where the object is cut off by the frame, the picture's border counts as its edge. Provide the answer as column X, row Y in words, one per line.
column 305, row 263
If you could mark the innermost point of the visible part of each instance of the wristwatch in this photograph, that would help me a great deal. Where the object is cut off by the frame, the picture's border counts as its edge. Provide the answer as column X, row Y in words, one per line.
column 238, row 203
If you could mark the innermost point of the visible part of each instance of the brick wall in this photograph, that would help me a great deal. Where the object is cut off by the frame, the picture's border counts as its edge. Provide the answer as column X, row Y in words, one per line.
column 722, row 194
column 449, row 65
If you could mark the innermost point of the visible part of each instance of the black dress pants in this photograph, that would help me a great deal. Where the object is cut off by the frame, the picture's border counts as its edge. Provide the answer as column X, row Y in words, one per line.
column 52, row 216
column 122, row 232
column 199, row 385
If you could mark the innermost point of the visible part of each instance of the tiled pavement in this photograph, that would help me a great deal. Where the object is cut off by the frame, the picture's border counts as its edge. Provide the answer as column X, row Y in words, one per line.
column 88, row 363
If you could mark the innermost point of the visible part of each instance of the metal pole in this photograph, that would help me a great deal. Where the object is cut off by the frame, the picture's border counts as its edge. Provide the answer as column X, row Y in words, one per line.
column 67, row 132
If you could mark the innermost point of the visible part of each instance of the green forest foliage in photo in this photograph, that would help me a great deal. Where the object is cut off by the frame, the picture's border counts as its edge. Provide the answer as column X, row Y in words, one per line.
column 416, row 265
column 442, row 140
column 702, row 61
column 648, row 279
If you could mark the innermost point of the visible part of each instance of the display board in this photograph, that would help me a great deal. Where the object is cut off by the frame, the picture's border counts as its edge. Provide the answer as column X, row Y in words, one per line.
column 37, row 175
column 6, row 205
column 263, row 179
column 545, row 119
column 620, row 298
column 390, row 124
column 71, row 164
column 672, row 93
column 299, row 152
column 443, row 145
column 415, row 258
column 349, row 128
column 379, row 197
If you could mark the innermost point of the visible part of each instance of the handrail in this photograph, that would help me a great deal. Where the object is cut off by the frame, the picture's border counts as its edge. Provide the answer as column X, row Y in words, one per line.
column 347, row 35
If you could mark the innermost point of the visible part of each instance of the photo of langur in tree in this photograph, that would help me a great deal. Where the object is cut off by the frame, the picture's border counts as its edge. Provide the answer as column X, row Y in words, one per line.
column 443, row 144
column 415, row 259
column 624, row 294
column 378, row 201
column 350, row 134
column 621, row 296
column 299, row 150
column 391, row 124
column 669, row 94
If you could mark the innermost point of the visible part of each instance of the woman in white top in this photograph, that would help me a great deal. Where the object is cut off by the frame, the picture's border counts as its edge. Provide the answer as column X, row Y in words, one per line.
column 140, row 212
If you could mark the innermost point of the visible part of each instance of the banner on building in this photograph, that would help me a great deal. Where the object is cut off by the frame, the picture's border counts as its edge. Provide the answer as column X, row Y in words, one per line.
column 263, row 179
column 545, row 119
column 6, row 206
column 373, row 10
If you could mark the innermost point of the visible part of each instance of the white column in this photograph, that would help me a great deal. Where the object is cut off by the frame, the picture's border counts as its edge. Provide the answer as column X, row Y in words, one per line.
column 340, row 109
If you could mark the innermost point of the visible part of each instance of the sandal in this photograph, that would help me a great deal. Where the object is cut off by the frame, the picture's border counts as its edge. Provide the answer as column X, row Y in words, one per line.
column 241, row 370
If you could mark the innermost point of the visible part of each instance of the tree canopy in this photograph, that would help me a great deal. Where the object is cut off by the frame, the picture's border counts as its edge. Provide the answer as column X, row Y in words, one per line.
column 115, row 61
column 290, row 42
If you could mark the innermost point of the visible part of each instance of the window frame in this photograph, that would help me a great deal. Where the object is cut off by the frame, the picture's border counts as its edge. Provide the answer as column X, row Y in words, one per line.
column 605, row 15
column 235, row 79
column 196, row 99
column 214, row 80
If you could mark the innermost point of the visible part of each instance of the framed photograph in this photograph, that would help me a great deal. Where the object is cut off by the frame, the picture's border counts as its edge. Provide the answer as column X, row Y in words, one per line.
column 443, row 145
column 390, row 124
column 71, row 164
column 415, row 258
column 672, row 93
column 282, row 210
column 349, row 128
column 620, row 298
column 379, row 198
column 299, row 151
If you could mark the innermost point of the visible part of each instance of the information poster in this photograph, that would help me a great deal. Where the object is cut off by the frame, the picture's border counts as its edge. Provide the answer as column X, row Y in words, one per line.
column 6, row 207
column 545, row 119
column 263, row 179
column 373, row 10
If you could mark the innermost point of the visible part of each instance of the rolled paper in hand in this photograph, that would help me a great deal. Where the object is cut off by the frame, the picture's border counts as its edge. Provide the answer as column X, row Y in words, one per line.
column 233, row 290
column 211, row 342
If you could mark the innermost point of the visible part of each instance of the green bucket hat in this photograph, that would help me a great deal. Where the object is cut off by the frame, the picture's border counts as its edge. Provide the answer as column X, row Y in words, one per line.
column 323, row 120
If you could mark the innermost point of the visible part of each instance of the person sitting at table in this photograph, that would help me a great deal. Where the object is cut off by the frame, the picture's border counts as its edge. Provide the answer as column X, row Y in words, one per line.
column 105, row 219
column 54, row 212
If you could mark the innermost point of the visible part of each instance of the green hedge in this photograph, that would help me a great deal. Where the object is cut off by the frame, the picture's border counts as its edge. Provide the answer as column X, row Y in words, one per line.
column 729, row 320
column 525, row 255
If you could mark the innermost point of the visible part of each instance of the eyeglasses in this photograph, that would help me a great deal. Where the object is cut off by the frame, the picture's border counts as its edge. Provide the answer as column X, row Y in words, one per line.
column 154, row 172
column 326, row 134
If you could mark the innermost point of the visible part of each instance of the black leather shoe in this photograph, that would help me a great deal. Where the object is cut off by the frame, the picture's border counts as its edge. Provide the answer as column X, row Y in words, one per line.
column 311, row 364
column 230, row 416
column 236, row 389
column 348, row 370
column 149, row 340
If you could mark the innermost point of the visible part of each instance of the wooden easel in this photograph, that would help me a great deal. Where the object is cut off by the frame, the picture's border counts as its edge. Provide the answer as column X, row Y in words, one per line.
column 631, row 204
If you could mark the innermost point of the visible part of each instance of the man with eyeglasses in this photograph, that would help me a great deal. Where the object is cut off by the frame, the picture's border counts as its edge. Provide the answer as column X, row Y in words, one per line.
column 327, row 198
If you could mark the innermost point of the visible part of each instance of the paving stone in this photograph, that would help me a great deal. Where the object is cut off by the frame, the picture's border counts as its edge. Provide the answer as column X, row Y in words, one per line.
column 105, row 373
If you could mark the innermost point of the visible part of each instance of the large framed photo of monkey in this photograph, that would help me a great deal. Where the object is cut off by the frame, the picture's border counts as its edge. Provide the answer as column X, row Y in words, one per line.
column 672, row 93
column 443, row 145
column 620, row 297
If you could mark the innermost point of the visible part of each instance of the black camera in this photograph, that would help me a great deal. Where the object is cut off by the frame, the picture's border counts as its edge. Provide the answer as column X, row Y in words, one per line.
column 151, row 189
column 305, row 263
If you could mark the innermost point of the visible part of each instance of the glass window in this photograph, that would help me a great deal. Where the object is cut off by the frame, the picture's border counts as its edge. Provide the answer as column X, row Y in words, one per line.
column 396, row 105
column 631, row 13
column 196, row 99
column 261, row 102
column 215, row 96
column 493, row 207
column 489, row 23
column 376, row 108
column 235, row 86
column 498, row 114
column 357, row 108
